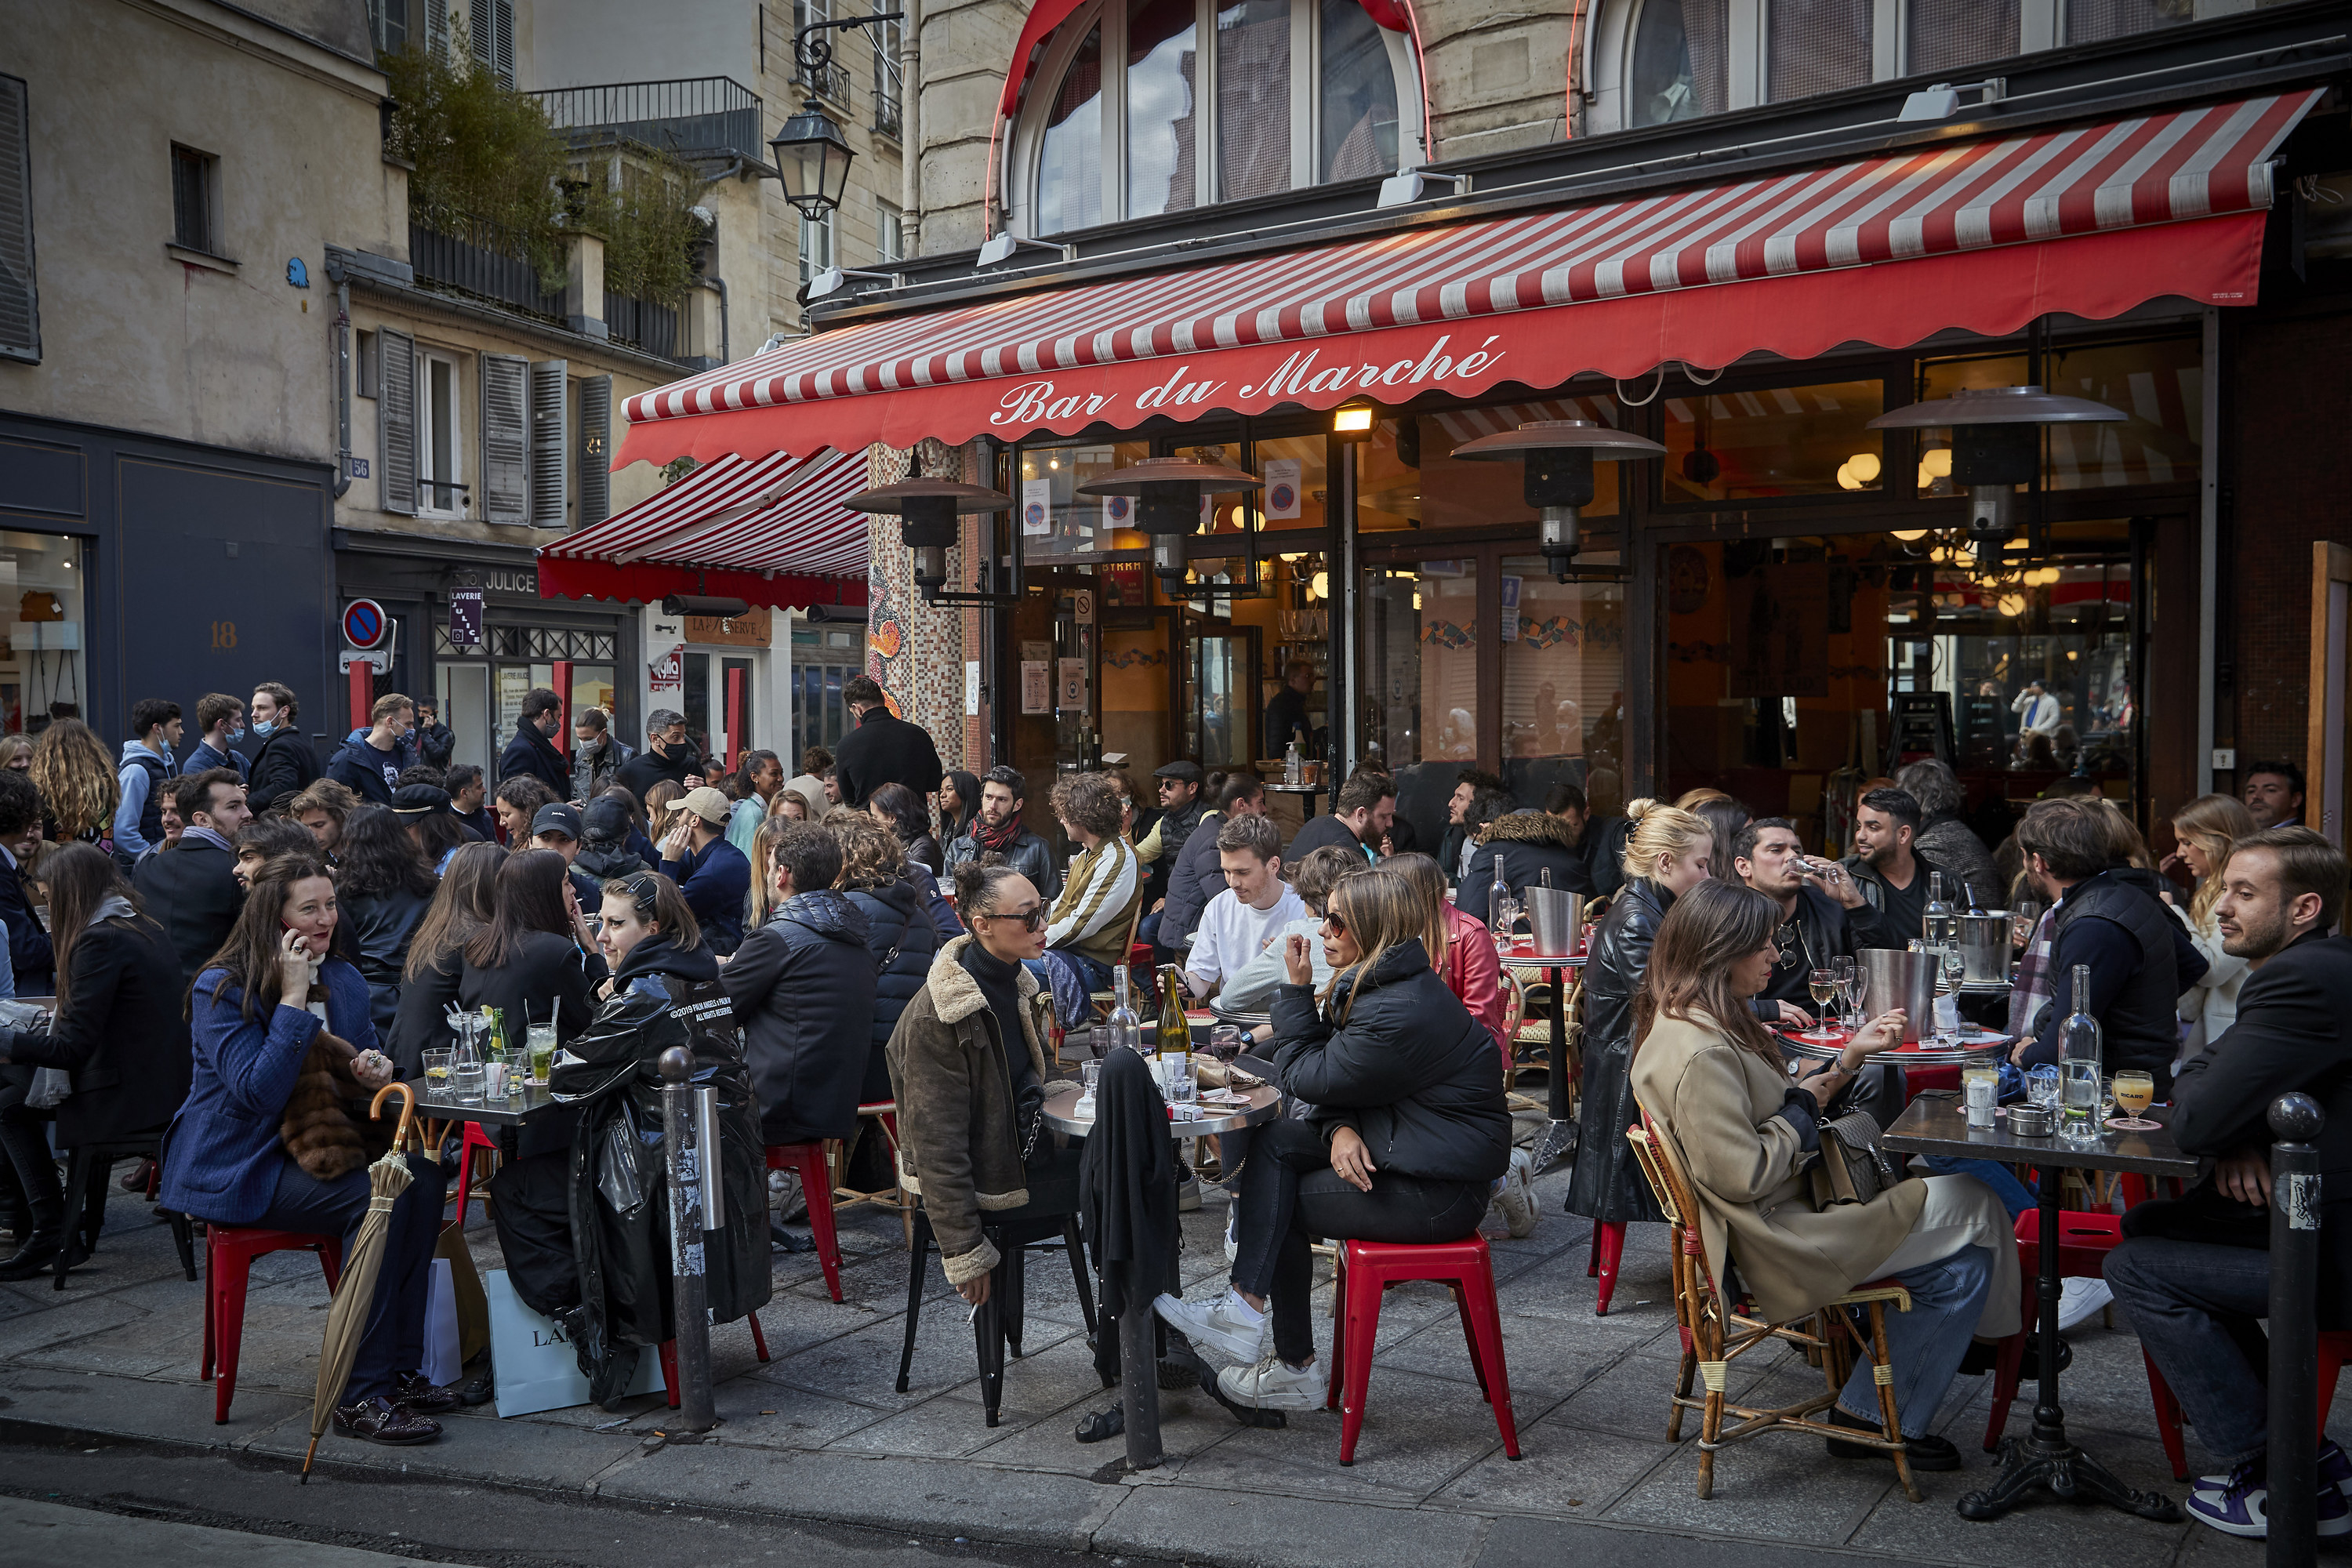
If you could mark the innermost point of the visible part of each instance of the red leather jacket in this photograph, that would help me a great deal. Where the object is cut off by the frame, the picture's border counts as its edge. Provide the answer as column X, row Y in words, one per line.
column 1474, row 971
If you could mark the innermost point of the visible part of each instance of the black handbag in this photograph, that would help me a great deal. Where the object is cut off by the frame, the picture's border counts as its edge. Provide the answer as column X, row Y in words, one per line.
column 1853, row 1168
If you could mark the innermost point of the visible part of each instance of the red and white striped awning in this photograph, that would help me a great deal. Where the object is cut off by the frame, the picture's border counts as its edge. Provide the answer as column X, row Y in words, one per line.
column 1982, row 236
column 771, row 530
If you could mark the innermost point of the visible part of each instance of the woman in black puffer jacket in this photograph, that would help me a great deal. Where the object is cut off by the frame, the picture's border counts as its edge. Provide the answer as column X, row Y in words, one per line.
column 899, row 930
column 1406, row 1134
column 1666, row 856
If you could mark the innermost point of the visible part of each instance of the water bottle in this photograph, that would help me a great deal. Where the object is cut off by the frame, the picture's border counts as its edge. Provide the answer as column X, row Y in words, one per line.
column 1941, row 922
column 1293, row 767
column 1123, row 1017
column 1499, row 904
column 2079, row 1063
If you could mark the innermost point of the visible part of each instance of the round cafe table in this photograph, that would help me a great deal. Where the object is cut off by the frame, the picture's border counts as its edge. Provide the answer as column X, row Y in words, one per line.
column 1265, row 1105
column 1522, row 959
column 1974, row 1046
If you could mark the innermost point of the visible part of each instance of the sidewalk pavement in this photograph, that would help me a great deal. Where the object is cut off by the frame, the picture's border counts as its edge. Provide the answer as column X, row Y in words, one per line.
column 818, row 1433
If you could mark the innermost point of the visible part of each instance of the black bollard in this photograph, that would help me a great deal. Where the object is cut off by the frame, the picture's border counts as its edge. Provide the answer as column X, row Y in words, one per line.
column 690, row 1295
column 2295, row 1120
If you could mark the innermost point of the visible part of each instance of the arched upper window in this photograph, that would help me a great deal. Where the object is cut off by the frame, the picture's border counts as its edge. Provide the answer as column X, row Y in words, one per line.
column 1653, row 62
column 1156, row 106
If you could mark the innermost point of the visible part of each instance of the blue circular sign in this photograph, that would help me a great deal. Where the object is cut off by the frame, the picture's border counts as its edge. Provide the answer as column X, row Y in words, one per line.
column 364, row 623
column 1036, row 512
column 1281, row 500
column 1117, row 508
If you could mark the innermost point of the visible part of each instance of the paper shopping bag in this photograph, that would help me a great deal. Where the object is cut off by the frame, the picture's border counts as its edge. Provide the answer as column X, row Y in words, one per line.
column 536, row 1366
column 472, row 1309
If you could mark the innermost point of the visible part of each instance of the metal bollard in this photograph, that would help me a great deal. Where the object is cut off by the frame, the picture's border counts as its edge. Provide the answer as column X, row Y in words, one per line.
column 691, row 1296
column 2295, row 1122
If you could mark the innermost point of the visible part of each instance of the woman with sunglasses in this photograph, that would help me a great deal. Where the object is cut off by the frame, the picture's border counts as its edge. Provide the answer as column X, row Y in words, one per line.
column 969, row 1072
column 1406, row 1135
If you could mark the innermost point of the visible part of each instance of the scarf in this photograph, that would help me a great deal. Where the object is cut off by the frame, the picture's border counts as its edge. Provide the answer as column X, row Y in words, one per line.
column 997, row 839
column 2031, row 984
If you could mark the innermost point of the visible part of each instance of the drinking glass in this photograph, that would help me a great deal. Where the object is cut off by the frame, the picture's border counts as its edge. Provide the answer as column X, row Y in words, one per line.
column 2135, row 1092
column 2042, row 1085
column 1178, row 1067
column 1823, row 984
column 1225, row 1042
column 1980, row 1088
column 542, row 1052
column 1955, row 966
column 1849, row 985
column 2023, row 920
column 437, row 1074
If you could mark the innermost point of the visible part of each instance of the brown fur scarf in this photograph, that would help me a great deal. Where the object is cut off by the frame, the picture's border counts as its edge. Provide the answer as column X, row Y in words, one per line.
column 326, row 1129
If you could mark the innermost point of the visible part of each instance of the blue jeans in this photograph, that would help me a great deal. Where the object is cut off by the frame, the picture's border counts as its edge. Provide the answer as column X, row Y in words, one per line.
column 1927, row 1342
column 2196, row 1306
column 394, row 1341
column 1071, row 978
column 2015, row 1196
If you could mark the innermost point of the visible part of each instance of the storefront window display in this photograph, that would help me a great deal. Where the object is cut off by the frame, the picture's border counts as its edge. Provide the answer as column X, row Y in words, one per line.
column 43, row 674
column 1410, row 478
column 1563, row 681
column 1772, row 443
column 2159, row 384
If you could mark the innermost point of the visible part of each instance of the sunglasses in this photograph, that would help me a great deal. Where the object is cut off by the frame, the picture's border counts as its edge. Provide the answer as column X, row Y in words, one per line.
column 1333, row 921
column 1033, row 921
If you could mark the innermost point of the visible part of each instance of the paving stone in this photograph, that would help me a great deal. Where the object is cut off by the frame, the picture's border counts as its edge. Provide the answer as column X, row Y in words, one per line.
column 1184, row 1523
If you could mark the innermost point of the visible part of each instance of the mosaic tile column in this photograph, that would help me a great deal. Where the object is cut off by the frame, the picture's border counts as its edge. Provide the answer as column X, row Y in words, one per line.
column 913, row 648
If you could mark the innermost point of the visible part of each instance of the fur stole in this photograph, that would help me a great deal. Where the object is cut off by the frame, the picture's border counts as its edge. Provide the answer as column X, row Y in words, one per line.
column 325, row 1129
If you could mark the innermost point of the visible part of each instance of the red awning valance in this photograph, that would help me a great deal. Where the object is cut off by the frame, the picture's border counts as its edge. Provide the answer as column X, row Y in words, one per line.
column 1982, row 237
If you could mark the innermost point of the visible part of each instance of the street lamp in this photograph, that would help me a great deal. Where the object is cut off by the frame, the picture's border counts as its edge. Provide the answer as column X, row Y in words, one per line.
column 812, row 157
column 1996, row 446
column 1168, row 504
column 927, row 510
column 1559, row 454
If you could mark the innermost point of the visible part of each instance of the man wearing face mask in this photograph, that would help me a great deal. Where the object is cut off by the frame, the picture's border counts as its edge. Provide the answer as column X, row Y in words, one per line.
column 531, row 753
column 285, row 764
column 222, row 719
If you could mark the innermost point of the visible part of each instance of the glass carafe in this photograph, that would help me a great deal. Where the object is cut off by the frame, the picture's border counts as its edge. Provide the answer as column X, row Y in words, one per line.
column 2080, row 1059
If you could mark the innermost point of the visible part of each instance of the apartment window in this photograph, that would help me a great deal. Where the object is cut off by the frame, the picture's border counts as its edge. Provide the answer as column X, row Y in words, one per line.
column 817, row 247
column 388, row 25
column 1678, row 69
column 489, row 24
column 1816, row 46
column 20, row 316
column 440, row 486
column 195, row 191
column 889, row 39
column 889, row 232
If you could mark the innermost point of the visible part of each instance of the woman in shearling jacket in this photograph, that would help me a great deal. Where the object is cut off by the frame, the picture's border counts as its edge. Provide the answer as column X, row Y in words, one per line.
column 968, row 1074
column 1709, row 1078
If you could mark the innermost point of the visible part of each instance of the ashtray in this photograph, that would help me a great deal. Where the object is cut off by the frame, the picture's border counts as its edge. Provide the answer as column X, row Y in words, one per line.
column 2031, row 1121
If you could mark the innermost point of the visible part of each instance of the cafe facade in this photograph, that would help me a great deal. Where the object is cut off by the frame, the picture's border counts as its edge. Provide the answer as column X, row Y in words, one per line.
column 1742, row 266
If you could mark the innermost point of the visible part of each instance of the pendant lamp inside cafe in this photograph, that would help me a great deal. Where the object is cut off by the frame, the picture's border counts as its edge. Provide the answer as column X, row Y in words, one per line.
column 1622, row 494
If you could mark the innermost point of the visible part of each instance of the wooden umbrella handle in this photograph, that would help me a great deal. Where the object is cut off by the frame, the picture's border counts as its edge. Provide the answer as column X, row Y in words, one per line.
column 407, row 1109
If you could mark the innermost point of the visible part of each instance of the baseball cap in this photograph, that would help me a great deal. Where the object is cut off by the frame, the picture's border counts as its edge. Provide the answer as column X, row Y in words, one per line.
column 705, row 802
column 556, row 817
column 1181, row 769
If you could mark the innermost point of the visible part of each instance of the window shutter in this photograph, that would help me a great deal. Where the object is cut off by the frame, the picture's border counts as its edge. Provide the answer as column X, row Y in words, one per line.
column 20, row 316
column 595, row 449
column 395, row 421
column 491, row 24
column 437, row 29
column 506, row 439
column 550, row 454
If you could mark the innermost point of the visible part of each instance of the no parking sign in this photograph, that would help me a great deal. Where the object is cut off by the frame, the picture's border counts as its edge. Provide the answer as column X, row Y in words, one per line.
column 367, row 635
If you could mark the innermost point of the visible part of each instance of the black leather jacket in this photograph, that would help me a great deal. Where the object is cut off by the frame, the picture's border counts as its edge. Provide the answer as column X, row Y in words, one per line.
column 1606, row 1184
column 1029, row 855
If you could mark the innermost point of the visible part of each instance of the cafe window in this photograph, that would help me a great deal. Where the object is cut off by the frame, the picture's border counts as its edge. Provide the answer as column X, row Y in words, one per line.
column 2158, row 383
column 1563, row 681
column 1057, row 521
column 1422, row 663
column 1410, row 478
column 42, row 674
column 1159, row 106
column 1772, row 443
column 1678, row 69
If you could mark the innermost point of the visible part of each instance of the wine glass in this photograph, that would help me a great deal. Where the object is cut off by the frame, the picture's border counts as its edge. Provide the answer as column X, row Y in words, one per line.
column 1848, row 986
column 2023, row 922
column 2135, row 1092
column 1955, row 966
column 1823, row 984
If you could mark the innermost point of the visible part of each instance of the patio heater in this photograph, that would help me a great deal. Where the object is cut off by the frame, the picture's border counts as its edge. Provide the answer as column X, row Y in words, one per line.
column 1559, row 455
column 1996, row 446
column 1168, row 493
column 927, row 511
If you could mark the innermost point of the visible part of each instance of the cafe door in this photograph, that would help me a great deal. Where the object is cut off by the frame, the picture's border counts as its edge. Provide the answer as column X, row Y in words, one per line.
column 1217, row 701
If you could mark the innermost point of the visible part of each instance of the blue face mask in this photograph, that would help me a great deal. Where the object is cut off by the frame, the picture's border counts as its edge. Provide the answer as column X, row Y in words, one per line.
column 261, row 727
column 236, row 732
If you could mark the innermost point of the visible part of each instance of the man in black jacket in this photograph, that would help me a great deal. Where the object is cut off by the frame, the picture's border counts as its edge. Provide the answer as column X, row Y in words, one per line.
column 370, row 765
column 802, row 988
column 1000, row 829
column 1529, row 844
column 285, row 764
column 30, row 954
column 2193, row 1276
column 1360, row 816
column 883, row 748
column 191, row 889
column 530, row 751
column 668, row 754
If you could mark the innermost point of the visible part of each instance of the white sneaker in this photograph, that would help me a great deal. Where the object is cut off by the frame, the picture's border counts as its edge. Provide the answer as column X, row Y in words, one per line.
column 1227, row 1323
column 1270, row 1386
column 1518, row 1198
column 2079, row 1299
column 1233, row 1232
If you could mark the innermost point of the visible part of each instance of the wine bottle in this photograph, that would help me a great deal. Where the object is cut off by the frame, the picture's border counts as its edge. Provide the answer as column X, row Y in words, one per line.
column 2080, row 1058
column 1940, row 925
column 1122, row 1015
column 1175, row 1034
column 1499, row 899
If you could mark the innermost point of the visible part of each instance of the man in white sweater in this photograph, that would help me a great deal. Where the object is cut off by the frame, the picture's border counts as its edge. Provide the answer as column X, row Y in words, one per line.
column 1256, row 904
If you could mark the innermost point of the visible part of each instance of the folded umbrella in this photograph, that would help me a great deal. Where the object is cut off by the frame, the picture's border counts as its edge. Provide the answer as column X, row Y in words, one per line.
column 355, row 1293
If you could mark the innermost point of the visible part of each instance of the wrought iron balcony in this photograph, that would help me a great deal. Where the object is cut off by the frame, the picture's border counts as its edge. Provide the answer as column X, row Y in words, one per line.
column 468, row 255
column 710, row 116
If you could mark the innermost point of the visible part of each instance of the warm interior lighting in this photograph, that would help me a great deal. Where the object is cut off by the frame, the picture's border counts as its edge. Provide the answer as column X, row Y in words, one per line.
column 1319, row 586
column 1353, row 420
column 1910, row 535
column 2011, row 604
column 1865, row 467
column 1935, row 462
column 1846, row 478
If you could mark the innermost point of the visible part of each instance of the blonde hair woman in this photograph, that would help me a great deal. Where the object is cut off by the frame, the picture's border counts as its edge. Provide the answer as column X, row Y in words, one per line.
column 77, row 780
column 1669, row 852
column 1712, row 1082
column 2205, row 829
column 1408, row 1133
column 16, row 751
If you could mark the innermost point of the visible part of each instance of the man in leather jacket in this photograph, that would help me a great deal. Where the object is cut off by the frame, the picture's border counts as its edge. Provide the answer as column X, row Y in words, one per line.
column 999, row 830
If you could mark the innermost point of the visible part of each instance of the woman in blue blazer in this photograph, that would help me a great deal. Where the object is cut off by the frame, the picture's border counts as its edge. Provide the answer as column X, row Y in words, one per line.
column 275, row 1132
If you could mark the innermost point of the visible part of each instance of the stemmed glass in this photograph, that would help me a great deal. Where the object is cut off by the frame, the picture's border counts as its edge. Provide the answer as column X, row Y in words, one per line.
column 1823, row 984
column 2135, row 1092
column 1955, row 965
column 1849, row 987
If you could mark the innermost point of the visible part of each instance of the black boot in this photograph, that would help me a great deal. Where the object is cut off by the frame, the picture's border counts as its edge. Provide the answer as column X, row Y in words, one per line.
column 39, row 1251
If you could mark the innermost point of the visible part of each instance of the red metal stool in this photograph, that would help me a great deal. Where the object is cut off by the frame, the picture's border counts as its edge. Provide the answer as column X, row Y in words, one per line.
column 229, row 1252
column 1365, row 1270
column 816, row 1182
column 1608, row 1247
column 475, row 1139
column 669, row 1357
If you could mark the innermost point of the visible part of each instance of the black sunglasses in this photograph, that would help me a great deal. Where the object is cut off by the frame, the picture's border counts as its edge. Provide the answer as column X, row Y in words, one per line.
column 1034, row 921
column 1334, row 921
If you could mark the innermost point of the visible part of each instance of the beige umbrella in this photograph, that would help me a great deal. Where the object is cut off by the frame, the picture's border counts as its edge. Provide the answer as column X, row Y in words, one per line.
column 355, row 1292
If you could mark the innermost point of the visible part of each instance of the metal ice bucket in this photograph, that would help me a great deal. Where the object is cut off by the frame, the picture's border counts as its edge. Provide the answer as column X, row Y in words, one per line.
column 1906, row 980
column 1984, row 948
column 1555, row 917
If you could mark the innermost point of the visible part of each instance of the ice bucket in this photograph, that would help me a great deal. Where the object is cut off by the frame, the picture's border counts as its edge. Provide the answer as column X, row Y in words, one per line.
column 1984, row 948
column 1555, row 917
column 1893, row 978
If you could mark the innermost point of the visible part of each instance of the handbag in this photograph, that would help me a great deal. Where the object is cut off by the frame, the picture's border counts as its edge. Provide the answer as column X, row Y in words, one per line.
column 1853, row 1168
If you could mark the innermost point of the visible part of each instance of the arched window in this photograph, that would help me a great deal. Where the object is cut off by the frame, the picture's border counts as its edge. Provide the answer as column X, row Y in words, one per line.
column 1157, row 106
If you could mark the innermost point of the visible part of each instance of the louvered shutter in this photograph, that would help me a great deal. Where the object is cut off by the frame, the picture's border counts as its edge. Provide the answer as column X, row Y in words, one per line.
column 506, row 439
column 437, row 29
column 20, row 316
column 595, row 449
column 395, row 421
column 550, row 452
column 491, row 24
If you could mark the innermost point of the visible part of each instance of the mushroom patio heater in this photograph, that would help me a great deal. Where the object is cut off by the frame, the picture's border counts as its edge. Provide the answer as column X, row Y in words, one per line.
column 927, row 511
column 1996, row 446
column 1559, row 455
column 1168, row 493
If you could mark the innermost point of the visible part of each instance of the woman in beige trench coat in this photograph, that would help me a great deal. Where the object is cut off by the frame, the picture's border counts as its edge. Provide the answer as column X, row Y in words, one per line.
column 1709, row 1077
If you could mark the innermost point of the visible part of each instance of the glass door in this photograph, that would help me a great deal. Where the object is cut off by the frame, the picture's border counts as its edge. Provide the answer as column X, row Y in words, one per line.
column 1218, row 713
column 465, row 693
column 1421, row 680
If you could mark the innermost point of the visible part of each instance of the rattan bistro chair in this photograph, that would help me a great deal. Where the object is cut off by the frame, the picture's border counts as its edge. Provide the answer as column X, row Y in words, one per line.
column 1715, row 1332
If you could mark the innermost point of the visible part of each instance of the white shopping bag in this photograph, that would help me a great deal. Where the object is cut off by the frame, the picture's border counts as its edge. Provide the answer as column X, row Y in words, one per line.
column 535, row 1366
column 443, row 1363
